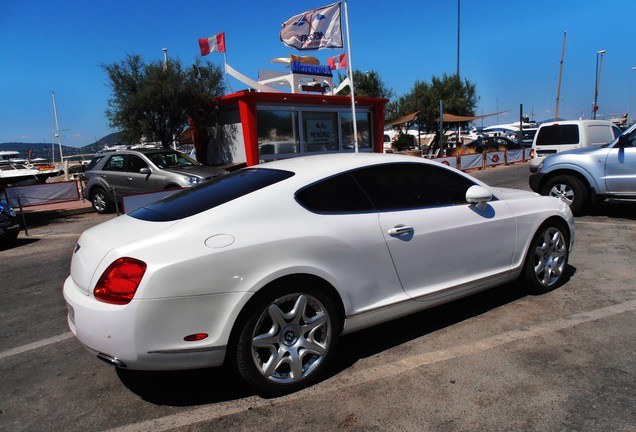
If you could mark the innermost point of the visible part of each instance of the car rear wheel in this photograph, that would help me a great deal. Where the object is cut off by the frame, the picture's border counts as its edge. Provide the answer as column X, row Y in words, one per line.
column 570, row 189
column 547, row 258
column 287, row 340
column 101, row 201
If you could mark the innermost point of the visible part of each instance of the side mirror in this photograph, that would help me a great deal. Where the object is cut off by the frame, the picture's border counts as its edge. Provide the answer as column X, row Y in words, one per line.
column 623, row 141
column 479, row 196
column 145, row 171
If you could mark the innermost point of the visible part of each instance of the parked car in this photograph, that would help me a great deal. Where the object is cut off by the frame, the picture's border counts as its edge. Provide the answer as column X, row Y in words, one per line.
column 483, row 144
column 9, row 225
column 589, row 175
column 115, row 174
column 554, row 137
column 266, row 267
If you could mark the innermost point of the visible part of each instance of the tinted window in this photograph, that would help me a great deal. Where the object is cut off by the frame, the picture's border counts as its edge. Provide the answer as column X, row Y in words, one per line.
column 558, row 134
column 115, row 163
column 407, row 186
column 210, row 194
column 339, row 194
column 94, row 162
column 135, row 163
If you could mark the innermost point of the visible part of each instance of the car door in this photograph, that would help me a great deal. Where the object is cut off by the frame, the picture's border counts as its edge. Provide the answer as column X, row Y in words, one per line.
column 620, row 167
column 438, row 241
column 137, row 182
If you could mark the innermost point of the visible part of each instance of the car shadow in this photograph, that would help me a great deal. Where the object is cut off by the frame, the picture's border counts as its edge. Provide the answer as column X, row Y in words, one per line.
column 19, row 242
column 213, row 385
column 624, row 209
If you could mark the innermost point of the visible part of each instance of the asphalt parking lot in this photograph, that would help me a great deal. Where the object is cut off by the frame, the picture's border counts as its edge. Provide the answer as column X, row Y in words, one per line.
column 500, row 360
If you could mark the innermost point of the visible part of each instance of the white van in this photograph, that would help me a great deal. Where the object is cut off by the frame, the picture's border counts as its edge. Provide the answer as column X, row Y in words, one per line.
column 555, row 137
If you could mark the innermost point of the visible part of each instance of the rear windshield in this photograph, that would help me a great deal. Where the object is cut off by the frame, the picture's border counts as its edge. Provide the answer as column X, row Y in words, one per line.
column 205, row 196
column 558, row 134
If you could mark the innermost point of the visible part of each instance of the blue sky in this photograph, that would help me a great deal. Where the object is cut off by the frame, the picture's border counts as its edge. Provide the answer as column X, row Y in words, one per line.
column 510, row 49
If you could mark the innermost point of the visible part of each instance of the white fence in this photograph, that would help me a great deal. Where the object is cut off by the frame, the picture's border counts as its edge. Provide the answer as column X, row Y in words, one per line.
column 486, row 159
column 40, row 194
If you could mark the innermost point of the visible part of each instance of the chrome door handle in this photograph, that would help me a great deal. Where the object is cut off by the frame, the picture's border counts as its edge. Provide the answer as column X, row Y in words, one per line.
column 401, row 230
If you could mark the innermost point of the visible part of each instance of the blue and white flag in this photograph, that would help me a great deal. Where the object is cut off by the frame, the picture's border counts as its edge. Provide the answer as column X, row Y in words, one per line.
column 314, row 30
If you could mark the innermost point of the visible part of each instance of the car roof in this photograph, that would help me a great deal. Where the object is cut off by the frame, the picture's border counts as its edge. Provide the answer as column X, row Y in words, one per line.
column 579, row 122
column 310, row 168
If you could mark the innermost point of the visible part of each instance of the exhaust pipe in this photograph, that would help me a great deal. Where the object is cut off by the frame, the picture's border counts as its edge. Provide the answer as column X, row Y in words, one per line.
column 113, row 361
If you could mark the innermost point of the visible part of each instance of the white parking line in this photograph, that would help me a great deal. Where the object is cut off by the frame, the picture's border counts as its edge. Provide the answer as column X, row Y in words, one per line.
column 345, row 379
column 35, row 345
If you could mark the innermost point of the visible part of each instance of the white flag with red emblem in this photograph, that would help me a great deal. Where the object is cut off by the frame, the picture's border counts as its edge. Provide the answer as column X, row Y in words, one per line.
column 314, row 29
column 337, row 62
column 214, row 43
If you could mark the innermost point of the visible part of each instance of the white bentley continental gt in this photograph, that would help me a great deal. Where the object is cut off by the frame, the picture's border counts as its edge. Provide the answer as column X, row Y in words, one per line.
column 266, row 267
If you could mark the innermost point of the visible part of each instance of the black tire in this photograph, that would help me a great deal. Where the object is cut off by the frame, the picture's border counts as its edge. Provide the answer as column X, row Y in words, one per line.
column 101, row 202
column 571, row 190
column 547, row 258
column 287, row 338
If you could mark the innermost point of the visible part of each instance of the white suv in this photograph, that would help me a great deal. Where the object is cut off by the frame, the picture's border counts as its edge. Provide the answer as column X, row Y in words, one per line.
column 555, row 137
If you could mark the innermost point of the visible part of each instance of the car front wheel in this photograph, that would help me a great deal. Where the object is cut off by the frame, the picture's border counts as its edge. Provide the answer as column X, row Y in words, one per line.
column 547, row 258
column 570, row 189
column 287, row 340
column 101, row 201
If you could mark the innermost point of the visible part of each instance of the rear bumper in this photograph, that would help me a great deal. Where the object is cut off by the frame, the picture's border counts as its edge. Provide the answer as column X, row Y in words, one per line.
column 149, row 334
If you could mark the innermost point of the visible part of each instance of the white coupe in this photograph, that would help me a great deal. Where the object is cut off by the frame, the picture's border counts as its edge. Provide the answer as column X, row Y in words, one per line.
column 266, row 267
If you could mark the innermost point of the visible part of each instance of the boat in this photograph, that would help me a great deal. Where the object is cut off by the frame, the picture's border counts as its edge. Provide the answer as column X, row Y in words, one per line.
column 15, row 170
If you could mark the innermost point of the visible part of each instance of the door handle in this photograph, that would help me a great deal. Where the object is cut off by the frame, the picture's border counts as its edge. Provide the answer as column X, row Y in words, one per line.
column 401, row 230
column 129, row 178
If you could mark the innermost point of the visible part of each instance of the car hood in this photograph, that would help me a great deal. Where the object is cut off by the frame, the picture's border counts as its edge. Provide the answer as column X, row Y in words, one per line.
column 95, row 244
column 201, row 171
column 507, row 193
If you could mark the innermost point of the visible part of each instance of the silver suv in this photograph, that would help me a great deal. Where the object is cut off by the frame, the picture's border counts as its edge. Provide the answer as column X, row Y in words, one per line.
column 589, row 175
column 112, row 175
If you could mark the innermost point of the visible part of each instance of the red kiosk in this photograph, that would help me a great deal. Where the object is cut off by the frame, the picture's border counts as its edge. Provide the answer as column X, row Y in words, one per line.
column 258, row 126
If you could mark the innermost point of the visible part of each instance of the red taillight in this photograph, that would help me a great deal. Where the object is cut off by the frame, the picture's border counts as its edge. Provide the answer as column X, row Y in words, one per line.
column 195, row 337
column 120, row 281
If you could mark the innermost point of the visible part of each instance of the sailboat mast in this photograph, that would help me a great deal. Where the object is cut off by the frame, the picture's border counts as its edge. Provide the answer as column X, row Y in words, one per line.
column 57, row 128
column 556, row 111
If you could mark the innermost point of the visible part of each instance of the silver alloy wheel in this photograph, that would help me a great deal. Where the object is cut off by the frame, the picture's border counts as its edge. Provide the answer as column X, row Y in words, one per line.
column 99, row 201
column 291, row 338
column 563, row 191
column 550, row 257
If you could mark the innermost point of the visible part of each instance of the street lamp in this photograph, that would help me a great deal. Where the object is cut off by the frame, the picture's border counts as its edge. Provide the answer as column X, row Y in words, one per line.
column 598, row 79
column 629, row 102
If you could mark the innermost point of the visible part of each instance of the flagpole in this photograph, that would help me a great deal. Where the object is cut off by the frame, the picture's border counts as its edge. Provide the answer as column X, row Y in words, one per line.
column 350, row 73
column 227, row 81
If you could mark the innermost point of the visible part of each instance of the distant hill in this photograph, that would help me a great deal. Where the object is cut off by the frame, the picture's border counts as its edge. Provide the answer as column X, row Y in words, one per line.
column 43, row 150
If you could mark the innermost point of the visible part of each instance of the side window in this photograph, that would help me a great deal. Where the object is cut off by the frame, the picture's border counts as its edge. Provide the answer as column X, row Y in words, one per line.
column 600, row 134
column 339, row 194
column 631, row 138
column 135, row 163
column 115, row 163
column 93, row 162
column 409, row 186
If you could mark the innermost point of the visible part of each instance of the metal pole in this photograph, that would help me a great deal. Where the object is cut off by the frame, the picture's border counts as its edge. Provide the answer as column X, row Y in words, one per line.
column 349, row 63
column 441, row 126
column 596, row 82
column 57, row 130
column 556, row 111
column 458, row 15
column 629, row 101
column 165, row 59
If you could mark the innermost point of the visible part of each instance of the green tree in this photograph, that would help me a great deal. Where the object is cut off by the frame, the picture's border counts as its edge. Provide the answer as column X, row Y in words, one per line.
column 368, row 84
column 157, row 101
column 458, row 96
